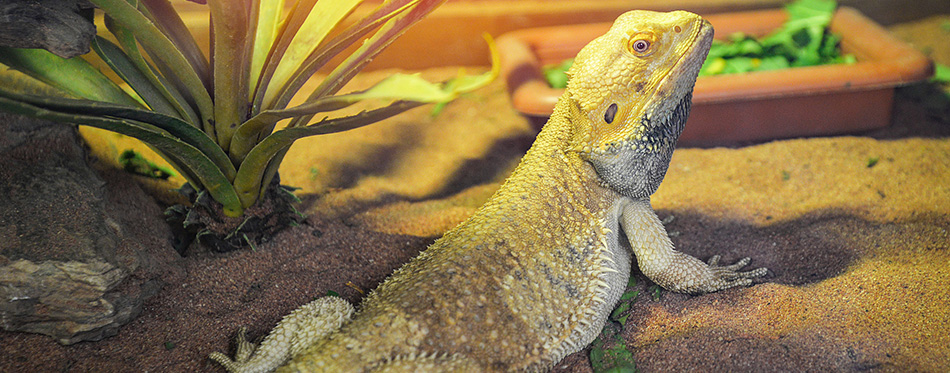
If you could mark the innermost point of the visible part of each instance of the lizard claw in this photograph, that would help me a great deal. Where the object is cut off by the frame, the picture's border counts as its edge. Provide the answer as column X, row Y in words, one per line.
column 730, row 276
column 244, row 348
column 244, row 351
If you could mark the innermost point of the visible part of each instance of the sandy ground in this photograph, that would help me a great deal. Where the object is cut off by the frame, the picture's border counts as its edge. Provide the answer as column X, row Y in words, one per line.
column 858, row 254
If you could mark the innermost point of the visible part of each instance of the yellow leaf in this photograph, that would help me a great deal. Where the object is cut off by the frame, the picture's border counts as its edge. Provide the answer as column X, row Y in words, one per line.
column 414, row 88
column 324, row 16
column 267, row 25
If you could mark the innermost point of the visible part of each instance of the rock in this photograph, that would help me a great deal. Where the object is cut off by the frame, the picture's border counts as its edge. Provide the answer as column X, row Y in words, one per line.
column 71, row 264
column 59, row 26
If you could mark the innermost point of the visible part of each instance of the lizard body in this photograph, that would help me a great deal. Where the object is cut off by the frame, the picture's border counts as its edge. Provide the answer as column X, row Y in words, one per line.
column 533, row 274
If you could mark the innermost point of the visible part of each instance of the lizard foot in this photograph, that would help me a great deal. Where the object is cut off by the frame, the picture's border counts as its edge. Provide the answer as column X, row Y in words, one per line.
column 244, row 351
column 729, row 276
column 686, row 274
column 297, row 331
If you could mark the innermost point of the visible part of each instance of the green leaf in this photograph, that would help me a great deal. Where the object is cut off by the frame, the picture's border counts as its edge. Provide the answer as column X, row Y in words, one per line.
column 810, row 12
column 231, row 50
column 134, row 163
column 14, row 81
column 166, row 89
column 173, row 126
column 166, row 18
column 803, row 40
column 370, row 48
column 177, row 152
column 773, row 63
column 337, row 45
column 268, row 21
column 73, row 75
column 397, row 87
column 621, row 308
column 609, row 353
column 629, row 295
column 656, row 290
column 556, row 75
column 941, row 73
column 113, row 56
column 158, row 45
column 322, row 18
column 251, row 174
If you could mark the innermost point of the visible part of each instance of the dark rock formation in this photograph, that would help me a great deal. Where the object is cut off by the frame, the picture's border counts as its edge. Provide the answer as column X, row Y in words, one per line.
column 69, row 267
column 62, row 27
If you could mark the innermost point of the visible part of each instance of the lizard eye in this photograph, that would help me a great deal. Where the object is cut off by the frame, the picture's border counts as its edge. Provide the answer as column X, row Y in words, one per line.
column 641, row 44
column 611, row 113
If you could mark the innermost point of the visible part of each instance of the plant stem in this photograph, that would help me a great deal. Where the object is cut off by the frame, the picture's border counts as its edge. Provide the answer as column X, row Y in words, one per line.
column 231, row 49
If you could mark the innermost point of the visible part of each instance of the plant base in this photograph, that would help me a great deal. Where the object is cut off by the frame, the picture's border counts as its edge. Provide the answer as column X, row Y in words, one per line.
column 205, row 220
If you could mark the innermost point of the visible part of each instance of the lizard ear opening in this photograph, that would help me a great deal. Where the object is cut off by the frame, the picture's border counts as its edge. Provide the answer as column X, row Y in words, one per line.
column 610, row 113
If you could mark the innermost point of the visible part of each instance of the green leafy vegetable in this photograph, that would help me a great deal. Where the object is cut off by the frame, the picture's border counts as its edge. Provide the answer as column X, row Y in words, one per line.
column 803, row 40
column 609, row 354
column 655, row 291
column 135, row 163
column 555, row 74
column 941, row 74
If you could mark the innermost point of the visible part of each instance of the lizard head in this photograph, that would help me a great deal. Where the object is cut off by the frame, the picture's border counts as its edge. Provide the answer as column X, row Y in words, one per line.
column 629, row 93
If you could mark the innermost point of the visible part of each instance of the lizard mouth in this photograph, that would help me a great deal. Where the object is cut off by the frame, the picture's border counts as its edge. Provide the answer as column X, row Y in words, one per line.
column 669, row 129
column 665, row 122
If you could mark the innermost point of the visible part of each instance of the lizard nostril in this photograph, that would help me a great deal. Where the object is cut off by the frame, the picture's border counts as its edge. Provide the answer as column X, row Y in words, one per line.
column 677, row 29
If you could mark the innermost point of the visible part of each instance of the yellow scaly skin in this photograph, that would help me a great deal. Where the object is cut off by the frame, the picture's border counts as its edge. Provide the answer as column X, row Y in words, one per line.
column 533, row 274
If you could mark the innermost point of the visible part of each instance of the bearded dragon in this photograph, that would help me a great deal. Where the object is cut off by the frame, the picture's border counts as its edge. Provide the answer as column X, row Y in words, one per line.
column 533, row 274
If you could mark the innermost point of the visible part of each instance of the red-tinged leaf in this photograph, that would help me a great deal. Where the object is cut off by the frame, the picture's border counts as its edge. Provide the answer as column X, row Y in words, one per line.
column 167, row 19
column 285, row 34
column 338, row 44
column 167, row 57
column 372, row 47
column 323, row 19
column 266, row 13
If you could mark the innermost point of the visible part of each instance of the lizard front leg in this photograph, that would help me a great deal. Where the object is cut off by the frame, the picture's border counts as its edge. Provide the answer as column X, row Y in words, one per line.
column 671, row 269
column 293, row 334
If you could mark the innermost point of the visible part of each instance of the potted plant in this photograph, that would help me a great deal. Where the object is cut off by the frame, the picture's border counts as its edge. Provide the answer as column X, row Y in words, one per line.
column 215, row 121
column 755, row 106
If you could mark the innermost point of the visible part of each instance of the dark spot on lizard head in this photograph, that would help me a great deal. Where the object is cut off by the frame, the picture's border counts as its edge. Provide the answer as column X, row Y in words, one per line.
column 610, row 113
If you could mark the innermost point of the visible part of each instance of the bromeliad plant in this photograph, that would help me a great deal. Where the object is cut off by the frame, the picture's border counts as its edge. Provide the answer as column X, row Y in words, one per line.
column 215, row 122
